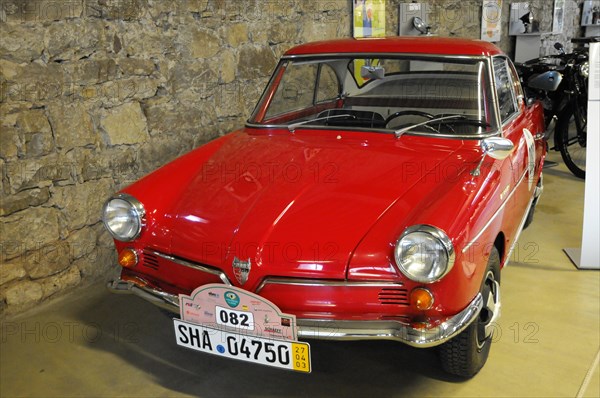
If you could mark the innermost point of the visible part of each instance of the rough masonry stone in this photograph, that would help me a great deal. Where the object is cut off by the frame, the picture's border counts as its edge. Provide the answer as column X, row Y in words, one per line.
column 125, row 124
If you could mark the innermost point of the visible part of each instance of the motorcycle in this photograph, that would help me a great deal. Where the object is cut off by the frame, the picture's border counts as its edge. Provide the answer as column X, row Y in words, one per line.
column 561, row 82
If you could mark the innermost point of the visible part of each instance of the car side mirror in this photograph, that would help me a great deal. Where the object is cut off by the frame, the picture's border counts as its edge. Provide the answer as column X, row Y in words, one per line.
column 547, row 81
column 372, row 72
column 495, row 147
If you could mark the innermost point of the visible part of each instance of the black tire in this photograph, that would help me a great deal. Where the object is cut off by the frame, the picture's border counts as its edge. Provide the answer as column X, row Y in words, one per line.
column 571, row 140
column 529, row 218
column 466, row 354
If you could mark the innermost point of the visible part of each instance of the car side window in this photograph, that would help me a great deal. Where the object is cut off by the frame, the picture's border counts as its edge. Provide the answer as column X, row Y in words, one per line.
column 516, row 81
column 505, row 89
column 296, row 90
column 329, row 86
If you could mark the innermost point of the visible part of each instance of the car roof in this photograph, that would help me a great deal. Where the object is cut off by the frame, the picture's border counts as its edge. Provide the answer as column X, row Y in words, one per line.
column 399, row 45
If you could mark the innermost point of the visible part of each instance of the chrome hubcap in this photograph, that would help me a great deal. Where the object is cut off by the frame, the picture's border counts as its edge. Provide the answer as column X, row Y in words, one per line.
column 491, row 310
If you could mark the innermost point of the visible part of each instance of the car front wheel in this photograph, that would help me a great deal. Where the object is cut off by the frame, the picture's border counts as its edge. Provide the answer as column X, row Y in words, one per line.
column 466, row 353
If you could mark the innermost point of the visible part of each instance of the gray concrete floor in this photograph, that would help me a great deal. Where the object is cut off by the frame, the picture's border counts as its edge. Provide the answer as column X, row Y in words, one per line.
column 92, row 343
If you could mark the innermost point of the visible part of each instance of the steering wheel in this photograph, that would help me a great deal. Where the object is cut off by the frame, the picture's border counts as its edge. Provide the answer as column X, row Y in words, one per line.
column 405, row 113
column 448, row 125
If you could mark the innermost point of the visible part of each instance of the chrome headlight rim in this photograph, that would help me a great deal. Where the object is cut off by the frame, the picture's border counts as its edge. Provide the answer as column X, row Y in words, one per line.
column 138, row 209
column 436, row 233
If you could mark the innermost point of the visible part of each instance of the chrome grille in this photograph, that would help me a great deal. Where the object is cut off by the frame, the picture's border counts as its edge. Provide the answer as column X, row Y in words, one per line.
column 150, row 260
column 394, row 296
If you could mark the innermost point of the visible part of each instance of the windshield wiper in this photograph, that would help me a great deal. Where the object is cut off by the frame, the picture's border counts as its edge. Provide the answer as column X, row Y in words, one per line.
column 294, row 126
column 452, row 119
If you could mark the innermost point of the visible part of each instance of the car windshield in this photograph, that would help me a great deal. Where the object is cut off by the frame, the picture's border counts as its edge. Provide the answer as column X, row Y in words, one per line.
column 429, row 95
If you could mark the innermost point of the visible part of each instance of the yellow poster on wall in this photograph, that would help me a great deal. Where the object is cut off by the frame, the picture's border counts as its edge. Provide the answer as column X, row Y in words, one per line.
column 368, row 21
column 368, row 18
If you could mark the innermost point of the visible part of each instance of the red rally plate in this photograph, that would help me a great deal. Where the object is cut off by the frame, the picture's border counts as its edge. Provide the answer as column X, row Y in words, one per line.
column 234, row 323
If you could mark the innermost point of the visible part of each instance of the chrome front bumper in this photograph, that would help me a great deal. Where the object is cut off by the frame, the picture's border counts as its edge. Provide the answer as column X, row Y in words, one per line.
column 337, row 330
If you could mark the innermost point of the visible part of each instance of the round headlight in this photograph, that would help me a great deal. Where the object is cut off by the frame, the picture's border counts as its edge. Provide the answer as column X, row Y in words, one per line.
column 584, row 69
column 424, row 253
column 123, row 216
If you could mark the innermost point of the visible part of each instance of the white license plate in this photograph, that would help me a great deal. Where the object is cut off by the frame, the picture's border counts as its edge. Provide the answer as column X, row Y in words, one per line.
column 291, row 355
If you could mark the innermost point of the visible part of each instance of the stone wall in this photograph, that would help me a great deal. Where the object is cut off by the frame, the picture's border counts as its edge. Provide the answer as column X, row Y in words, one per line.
column 96, row 93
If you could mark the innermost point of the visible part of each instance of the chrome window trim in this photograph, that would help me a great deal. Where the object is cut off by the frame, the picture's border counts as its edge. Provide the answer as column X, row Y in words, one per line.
column 518, row 111
column 484, row 58
column 198, row 267
column 494, row 133
column 383, row 54
column 324, row 282
column 489, row 222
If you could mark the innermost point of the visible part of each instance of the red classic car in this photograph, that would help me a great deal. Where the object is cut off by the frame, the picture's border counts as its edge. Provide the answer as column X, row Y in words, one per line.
column 375, row 192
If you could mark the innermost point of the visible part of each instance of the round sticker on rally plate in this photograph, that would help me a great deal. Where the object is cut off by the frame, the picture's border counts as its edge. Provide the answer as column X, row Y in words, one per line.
column 234, row 309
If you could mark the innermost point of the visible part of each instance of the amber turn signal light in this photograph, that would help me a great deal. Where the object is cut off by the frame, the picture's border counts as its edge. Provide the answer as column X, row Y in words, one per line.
column 128, row 258
column 421, row 299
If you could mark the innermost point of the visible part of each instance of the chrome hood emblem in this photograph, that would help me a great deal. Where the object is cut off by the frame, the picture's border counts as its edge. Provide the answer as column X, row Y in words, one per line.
column 241, row 270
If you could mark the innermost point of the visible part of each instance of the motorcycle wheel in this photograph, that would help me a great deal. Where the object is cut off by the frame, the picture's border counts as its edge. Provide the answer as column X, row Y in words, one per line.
column 571, row 139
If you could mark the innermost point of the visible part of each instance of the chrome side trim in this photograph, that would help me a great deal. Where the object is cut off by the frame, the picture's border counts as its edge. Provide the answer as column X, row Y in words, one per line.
column 197, row 267
column 390, row 330
column 489, row 222
column 336, row 330
column 323, row 282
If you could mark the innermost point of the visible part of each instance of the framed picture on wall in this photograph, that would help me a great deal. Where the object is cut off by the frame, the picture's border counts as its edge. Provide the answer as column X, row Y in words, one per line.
column 559, row 16
column 522, row 20
column 591, row 13
column 491, row 20
column 368, row 18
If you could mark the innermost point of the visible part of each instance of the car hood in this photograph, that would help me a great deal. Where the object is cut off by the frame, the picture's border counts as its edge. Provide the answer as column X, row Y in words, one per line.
column 296, row 205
